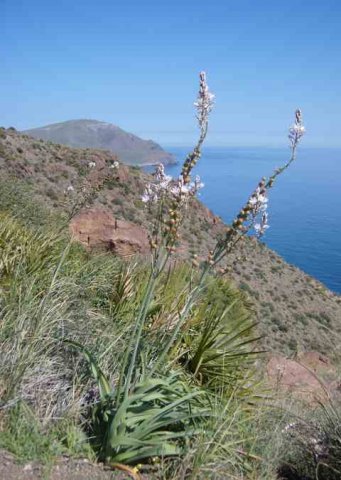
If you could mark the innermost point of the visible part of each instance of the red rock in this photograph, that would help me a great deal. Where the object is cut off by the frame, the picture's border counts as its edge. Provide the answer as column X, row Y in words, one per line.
column 96, row 228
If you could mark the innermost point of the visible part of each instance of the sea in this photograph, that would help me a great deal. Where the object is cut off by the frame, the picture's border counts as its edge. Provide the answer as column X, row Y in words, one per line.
column 304, row 205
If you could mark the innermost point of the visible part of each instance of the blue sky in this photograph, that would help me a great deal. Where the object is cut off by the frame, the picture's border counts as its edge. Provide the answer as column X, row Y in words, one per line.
column 135, row 64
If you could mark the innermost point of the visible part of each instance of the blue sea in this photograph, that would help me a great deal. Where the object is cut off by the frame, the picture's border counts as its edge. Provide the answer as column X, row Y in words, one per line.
column 304, row 204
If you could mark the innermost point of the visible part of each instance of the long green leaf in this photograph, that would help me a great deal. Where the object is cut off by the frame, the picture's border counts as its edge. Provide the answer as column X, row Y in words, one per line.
column 101, row 379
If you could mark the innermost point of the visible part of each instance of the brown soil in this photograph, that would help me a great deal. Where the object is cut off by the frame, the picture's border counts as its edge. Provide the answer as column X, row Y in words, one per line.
column 64, row 469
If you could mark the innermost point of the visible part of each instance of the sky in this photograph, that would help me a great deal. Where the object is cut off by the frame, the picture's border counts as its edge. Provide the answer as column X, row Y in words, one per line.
column 136, row 64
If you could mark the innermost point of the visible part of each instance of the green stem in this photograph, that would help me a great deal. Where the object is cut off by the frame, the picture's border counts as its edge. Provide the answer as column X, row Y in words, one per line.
column 138, row 331
column 130, row 345
column 140, row 321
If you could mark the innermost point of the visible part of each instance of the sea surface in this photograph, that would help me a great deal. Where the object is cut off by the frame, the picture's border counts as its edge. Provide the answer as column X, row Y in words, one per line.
column 304, row 204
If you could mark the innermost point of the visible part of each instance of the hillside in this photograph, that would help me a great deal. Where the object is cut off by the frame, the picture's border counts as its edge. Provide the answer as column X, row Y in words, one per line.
column 295, row 312
column 131, row 149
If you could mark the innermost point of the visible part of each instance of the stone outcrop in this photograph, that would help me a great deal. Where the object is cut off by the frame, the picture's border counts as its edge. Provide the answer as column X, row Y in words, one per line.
column 310, row 376
column 96, row 228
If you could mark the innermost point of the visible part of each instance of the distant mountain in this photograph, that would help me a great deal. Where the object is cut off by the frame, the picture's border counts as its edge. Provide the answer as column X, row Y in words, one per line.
column 130, row 149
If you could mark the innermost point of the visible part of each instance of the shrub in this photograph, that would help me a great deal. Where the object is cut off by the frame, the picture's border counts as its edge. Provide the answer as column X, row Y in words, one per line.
column 117, row 201
column 51, row 193
column 312, row 448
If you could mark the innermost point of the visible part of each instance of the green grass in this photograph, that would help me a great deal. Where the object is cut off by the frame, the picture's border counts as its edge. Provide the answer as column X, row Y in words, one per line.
column 27, row 438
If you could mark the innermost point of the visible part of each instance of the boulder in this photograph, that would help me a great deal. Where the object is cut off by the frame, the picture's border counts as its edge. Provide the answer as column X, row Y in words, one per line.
column 96, row 228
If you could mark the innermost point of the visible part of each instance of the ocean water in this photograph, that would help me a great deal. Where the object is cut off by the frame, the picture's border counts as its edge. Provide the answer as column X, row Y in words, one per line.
column 304, row 205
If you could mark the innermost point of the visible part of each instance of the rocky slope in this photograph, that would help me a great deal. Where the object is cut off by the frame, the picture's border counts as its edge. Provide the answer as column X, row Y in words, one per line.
column 295, row 312
column 131, row 149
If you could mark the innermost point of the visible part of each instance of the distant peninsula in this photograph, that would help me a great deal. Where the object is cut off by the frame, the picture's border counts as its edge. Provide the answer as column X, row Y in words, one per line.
column 130, row 149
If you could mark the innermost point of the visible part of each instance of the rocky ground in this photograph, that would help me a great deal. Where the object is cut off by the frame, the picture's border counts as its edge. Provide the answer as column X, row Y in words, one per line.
column 64, row 469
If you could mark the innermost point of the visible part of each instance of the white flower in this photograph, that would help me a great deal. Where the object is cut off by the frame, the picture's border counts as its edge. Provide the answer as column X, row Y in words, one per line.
column 260, row 228
column 297, row 130
column 166, row 185
column 198, row 185
column 161, row 177
column 70, row 188
column 146, row 197
column 258, row 201
column 149, row 195
column 179, row 188
column 162, row 185
column 115, row 164
column 159, row 171
column 205, row 101
column 92, row 164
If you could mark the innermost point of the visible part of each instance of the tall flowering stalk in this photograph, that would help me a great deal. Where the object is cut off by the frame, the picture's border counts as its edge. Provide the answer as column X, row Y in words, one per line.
column 167, row 198
column 204, row 105
column 253, row 216
column 86, row 193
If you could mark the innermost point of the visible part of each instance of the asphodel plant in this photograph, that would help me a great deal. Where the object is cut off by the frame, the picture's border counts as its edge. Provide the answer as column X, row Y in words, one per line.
column 151, row 408
column 252, row 217
column 148, row 415
column 169, row 198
